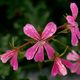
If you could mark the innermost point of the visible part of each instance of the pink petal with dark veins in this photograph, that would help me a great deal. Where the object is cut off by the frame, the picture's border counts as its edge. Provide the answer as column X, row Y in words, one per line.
column 49, row 30
column 30, row 31
column 31, row 52
column 39, row 56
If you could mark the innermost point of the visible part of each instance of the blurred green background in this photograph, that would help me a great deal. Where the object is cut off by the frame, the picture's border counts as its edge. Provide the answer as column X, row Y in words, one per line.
column 14, row 14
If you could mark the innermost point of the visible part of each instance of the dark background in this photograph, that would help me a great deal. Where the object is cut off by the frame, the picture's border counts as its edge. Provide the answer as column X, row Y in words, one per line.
column 14, row 14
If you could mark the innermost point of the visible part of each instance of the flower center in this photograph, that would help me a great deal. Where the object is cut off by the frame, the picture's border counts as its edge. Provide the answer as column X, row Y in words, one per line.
column 41, row 42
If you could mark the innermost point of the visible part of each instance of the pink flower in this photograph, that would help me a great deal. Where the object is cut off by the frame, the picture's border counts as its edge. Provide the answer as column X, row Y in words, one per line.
column 73, row 56
column 73, row 26
column 59, row 66
column 37, row 50
column 10, row 55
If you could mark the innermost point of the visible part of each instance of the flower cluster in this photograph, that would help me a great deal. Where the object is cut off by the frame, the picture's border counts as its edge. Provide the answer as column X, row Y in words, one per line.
column 41, row 41
column 73, row 26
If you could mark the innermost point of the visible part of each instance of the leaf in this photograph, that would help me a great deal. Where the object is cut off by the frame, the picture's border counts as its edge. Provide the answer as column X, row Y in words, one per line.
column 4, row 70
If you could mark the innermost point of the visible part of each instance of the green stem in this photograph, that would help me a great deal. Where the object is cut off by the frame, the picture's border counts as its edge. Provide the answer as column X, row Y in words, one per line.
column 64, row 31
column 62, row 43
column 25, row 44
column 64, row 52
column 48, row 61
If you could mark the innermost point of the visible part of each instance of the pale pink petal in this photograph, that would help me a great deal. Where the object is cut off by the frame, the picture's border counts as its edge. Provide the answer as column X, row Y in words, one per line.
column 31, row 52
column 75, row 67
column 30, row 31
column 74, row 39
column 54, row 71
column 50, row 51
column 67, row 63
column 78, row 70
column 6, row 56
column 39, row 56
column 71, row 20
column 73, row 56
column 61, row 67
column 77, row 31
column 74, row 9
column 14, row 62
column 49, row 30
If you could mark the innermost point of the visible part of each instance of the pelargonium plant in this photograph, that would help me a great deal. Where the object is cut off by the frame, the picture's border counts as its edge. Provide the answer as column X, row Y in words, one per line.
column 41, row 41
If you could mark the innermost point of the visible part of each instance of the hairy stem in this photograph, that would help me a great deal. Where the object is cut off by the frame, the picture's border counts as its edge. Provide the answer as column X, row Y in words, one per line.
column 62, row 43
column 25, row 44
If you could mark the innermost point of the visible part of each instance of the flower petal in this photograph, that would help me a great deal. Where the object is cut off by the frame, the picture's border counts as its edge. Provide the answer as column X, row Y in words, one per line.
column 77, row 31
column 49, row 30
column 14, row 62
column 50, row 51
column 74, row 9
column 75, row 67
column 67, row 63
column 74, row 39
column 30, row 31
column 6, row 56
column 54, row 71
column 73, row 56
column 31, row 52
column 61, row 67
column 78, row 70
column 71, row 20
column 39, row 55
